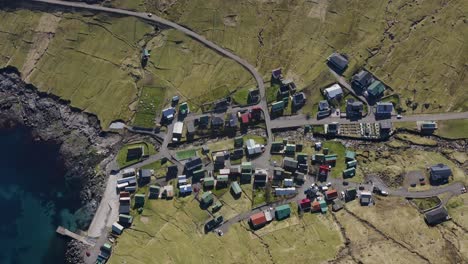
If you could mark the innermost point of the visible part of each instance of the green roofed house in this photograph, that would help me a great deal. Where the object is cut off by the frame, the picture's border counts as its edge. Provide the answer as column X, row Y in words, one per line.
column 351, row 164
column 207, row 198
column 246, row 167
column 348, row 173
column 323, row 206
column 376, row 89
column 238, row 142
column 154, row 191
column 222, row 180
column 277, row 107
column 184, row 108
column 290, row 149
column 302, row 158
column 318, row 158
column 125, row 219
column 139, row 200
column 331, row 159
column 350, row 155
column 208, row 182
column 350, row 194
column 282, row 212
column 236, row 189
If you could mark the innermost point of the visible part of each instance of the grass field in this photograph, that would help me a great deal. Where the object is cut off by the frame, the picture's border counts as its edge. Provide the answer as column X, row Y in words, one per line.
column 417, row 140
column 453, row 128
column 185, row 154
column 335, row 147
column 174, row 230
column 159, row 168
column 150, row 104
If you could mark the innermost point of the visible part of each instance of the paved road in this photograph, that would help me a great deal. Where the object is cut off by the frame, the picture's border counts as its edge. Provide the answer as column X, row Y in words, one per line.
column 300, row 120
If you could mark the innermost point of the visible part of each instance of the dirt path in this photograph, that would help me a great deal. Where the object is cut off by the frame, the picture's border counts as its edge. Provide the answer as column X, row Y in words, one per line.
column 44, row 33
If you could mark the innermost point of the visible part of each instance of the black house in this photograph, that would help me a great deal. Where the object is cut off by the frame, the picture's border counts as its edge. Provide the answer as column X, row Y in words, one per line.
column 440, row 173
column 362, row 80
column 134, row 153
column 231, row 121
column 338, row 62
column 217, row 122
column 192, row 164
column 354, row 109
column 436, row 216
column 172, row 171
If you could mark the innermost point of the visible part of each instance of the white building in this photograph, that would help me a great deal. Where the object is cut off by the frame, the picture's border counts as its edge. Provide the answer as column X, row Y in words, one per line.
column 128, row 172
column 253, row 148
column 285, row 191
column 334, row 92
column 288, row 182
column 177, row 131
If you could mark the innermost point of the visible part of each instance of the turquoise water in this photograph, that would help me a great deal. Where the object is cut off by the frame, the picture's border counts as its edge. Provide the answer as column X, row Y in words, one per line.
column 34, row 199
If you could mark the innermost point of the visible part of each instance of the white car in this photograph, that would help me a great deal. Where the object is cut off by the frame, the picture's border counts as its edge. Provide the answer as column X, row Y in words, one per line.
column 384, row 193
column 399, row 116
column 150, row 15
column 329, row 184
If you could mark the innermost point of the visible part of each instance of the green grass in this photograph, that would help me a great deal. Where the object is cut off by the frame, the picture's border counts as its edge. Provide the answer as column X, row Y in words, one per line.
column 426, row 203
column 220, row 145
column 158, row 167
column 150, row 104
column 335, row 147
column 122, row 155
column 241, row 96
column 417, row 140
column 453, row 129
column 185, row 154
column 258, row 139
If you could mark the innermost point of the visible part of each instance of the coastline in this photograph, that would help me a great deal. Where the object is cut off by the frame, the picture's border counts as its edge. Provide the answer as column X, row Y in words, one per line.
column 83, row 146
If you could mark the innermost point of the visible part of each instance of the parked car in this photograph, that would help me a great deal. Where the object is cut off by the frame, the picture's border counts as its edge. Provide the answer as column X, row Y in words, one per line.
column 329, row 184
column 150, row 15
column 399, row 116
column 345, row 183
column 463, row 190
column 384, row 193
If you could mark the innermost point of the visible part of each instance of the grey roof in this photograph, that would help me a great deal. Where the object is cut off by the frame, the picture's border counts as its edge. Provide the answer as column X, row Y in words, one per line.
column 299, row 98
column 440, row 171
column 217, row 121
column 436, row 216
column 386, row 125
column 324, row 105
column 333, row 91
column 338, row 60
column 168, row 111
column 384, row 108
column 145, row 173
column 193, row 163
column 362, row 79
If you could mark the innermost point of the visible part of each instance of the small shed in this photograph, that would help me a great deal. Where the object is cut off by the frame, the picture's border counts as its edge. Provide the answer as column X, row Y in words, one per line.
column 208, row 182
column 236, row 189
column 323, row 206
column 139, row 200
column 305, row 204
column 282, row 212
column 351, row 164
column 117, row 228
column 350, row 155
column 258, row 220
column 348, row 173
column 207, row 198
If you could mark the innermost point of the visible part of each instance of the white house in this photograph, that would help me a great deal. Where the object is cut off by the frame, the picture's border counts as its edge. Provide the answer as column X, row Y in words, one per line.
column 252, row 148
column 334, row 92
column 177, row 131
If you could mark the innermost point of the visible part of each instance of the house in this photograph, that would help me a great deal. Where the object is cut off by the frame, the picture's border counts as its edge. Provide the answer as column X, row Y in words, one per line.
column 302, row 158
column 305, row 204
column 333, row 92
column 246, row 172
column 351, row 164
column 135, row 153
column 362, row 80
column 256, row 113
column 385, row 128
column 128, row 172
column 124, row 209
column 277, row 107
column 217, row 122
column 185, row 189
column 237, row 154
column 350, row 194
column 168, row 192
column 354, row 109
column 323, row 105
column 300, row 177
column 168, row 115
column 282, row 212
column 337, row 205
column 323, row 114
column 206, row 199
column 366, row 198
column 258, row 220
column 333, row 128
column 231, row 121
column 289, row 164
column 203, row 121
column 283, row 91
column 277, row 147
column 278, row 173
column 145, row 175
column 331, row 194
column 253, row 148
column 323, row 206
column 260, row 177
column 427, row 127
column 224, row 171
column 350, row 155
column 439, row 173
column 245, row 119
column 236, row 190
column 254, row 95
column 298, row 100
column 190, row 129
column 338, row 62
column 219, row 160
column 324, row 170
column 131, row 180
column 436, row 216
column 175, row 100
column 154, row 191
column 348, row 173
column 131, row 189
column 117, row 228
column 222, row 181
column 276, row 74
column 184, row 109
column 331, row 159
column 139, row 200
column 288, row 183
column 315, row 206
column 290, row 85
column 181, row 180
column 213, row 223
column 193, row 163
column 208, row 182
column 125, row 219
column 235, row 170
column 290, row 149
column 221, row 104
column 376, row 90
column 172, row 171
column 177, row 131
column 383, row 109
column 285, row 191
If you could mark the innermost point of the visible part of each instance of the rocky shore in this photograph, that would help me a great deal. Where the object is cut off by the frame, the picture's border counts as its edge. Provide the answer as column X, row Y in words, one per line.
column 84, row 147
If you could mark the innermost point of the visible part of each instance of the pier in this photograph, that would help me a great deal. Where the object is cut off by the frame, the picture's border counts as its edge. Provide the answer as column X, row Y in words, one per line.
column 65, row 232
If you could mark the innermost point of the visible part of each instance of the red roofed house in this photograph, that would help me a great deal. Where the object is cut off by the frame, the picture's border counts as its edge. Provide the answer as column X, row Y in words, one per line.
column 305, row 204
column 316, row 206
column 331, row 194
column 245, row 118
column 258, row 220
column 323, row 170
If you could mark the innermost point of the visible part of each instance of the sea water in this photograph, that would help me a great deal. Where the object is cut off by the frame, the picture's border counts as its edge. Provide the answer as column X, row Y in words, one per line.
column 35, row 198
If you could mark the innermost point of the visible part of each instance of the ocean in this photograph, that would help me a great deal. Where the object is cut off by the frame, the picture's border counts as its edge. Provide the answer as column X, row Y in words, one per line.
column 35, row 198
